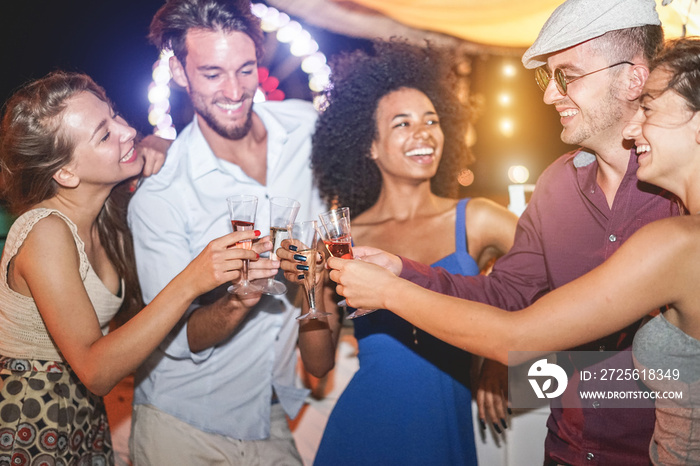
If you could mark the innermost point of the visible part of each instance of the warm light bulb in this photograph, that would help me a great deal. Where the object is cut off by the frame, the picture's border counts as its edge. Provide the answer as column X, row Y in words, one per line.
column 313, row 62
column 509, row 70
column 158, row 93
column 518, row 174
column 507, row 127
column 289, row 32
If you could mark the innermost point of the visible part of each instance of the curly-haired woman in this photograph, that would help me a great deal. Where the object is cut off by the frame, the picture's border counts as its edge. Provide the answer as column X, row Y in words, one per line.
column 389, row 145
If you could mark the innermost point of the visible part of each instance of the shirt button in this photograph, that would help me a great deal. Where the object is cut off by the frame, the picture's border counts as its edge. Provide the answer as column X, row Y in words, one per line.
column 612, row 238
column 601, row 348
column 590, row 456
column 596, row 404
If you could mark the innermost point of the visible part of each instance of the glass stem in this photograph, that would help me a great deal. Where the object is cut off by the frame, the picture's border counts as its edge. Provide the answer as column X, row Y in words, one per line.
column 271, row 280
column 244, row 271
column 312, row 298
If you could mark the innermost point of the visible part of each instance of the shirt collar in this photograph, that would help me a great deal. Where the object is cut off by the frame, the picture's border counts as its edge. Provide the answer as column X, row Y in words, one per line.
column 203, row 160
column 582, row 158
column 278, row 130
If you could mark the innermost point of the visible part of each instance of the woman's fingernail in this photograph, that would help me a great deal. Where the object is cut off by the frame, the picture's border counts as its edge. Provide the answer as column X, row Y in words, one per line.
column 292, row 247
column 482, row 424
column 498, row 429
column 299, row 257
column 300, row 277
column 302, row 267
column 503, row 423
column 257, row 232
column 257, row 256
column 510, row 411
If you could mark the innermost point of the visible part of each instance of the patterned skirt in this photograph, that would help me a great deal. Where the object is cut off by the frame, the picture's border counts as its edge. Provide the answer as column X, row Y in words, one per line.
column 48, row 417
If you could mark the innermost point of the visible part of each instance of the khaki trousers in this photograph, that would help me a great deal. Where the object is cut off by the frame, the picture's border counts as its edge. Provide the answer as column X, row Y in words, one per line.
column 159, row 439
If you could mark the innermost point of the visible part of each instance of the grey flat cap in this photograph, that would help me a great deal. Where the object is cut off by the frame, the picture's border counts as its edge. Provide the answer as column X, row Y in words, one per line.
column 576, row 21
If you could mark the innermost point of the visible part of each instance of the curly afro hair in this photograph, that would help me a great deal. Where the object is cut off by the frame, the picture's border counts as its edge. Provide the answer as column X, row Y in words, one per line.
column 347, row 126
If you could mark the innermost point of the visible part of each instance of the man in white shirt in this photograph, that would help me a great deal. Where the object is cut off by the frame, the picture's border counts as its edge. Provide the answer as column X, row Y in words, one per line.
column 217, row 390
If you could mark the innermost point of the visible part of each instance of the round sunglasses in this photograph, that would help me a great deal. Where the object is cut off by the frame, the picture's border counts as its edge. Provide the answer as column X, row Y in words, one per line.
column 543, row 77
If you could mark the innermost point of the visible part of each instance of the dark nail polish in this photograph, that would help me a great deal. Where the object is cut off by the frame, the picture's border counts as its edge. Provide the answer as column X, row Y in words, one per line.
column 498, row 429
column 482, row 424
column 299, row 257
column 303, row 267
column 510, row 411
column 292, row 247
column 503, row 423
column 300, row 277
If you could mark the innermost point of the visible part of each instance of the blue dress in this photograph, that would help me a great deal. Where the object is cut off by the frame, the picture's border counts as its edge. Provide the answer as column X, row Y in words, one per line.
column 409, row 403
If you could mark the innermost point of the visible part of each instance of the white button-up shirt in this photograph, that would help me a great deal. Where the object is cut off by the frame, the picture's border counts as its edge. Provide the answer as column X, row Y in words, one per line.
column 226, row 389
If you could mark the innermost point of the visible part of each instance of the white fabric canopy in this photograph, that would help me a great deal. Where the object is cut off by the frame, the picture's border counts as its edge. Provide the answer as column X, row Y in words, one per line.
column 494, row 26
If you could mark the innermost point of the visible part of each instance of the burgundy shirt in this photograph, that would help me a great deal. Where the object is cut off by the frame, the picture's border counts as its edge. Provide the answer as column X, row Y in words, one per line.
column 567, row 230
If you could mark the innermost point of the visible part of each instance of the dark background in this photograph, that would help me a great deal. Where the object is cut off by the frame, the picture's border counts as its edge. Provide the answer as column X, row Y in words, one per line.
column 107, row 40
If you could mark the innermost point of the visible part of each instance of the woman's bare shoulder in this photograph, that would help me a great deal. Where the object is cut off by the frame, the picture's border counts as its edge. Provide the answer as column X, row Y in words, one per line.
column 482, row 206
column 50, row 237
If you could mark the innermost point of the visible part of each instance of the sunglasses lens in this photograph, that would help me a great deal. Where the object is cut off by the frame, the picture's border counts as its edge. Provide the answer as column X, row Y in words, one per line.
column 542, row 78
column 560, row 78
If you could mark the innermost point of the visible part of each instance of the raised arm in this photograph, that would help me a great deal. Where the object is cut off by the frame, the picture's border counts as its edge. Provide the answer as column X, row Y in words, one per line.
column 518, row 278
column 163, row 248
column 48, row 265
column 655, row 267
column 153, row 149
column 318, row 338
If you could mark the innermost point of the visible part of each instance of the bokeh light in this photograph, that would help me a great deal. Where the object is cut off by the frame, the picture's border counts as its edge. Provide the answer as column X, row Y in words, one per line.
column 518, row 174
column 465, row 177
column 507, row 127
column 509, row 70
column 505, row 99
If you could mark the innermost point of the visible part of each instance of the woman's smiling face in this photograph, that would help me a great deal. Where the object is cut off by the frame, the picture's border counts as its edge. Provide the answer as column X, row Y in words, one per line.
column 104, row 142
column 409, row 138
column 664, row 130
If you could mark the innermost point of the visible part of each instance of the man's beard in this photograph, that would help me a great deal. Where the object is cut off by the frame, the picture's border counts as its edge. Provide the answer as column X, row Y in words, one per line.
column 234, row 133
column 606, row 115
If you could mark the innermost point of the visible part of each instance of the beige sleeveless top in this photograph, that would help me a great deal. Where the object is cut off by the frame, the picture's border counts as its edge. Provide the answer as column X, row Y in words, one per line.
column 22, row 331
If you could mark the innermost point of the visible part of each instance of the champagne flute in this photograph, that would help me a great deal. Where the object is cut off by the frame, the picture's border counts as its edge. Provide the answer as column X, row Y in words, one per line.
column 283, row 211
column 338, row 241
column 334, row 250
column 304, row 235
column 242, row 209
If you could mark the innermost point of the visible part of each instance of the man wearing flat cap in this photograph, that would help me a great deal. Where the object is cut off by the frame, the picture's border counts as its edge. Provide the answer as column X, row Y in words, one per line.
column 591, row 60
